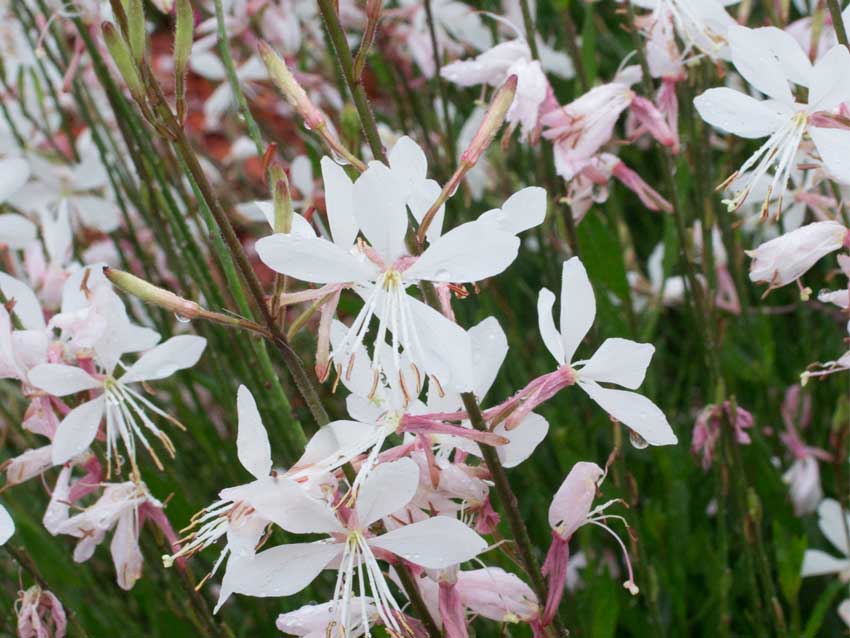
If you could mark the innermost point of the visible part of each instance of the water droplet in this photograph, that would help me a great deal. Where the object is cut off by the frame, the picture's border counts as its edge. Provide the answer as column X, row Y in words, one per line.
column 181, row 318
column 637, row 441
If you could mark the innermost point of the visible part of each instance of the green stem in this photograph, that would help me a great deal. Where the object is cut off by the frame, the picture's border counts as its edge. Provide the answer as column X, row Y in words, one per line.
column 838, row 22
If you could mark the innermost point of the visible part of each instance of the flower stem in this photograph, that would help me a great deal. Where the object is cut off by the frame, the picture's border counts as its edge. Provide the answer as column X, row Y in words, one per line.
column 838, row 22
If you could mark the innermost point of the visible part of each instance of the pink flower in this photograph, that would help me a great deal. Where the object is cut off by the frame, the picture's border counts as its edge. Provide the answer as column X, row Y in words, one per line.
column 707, row 428
column 40, row 614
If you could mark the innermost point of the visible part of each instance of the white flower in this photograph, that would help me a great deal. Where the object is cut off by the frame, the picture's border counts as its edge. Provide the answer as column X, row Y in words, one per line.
column 832, row 520
column 770, row 60
column 123, row 407
column 7, row 525
column 619, row 361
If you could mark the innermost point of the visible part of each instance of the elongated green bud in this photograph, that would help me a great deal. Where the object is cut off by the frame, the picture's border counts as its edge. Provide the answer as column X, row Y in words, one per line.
column 120, row 52
column 282, row 200
column 184, row 34
column 136, row 32
column 149, row 293
column 289, row 87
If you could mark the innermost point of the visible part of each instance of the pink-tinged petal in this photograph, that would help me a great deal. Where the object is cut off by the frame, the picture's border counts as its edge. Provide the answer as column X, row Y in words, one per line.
column 548, row 332
column 830, row 515
column 77, row 430
column 16, row 231
column 633, row 410
column 339, row 199
column 287, row 504
column 490, row 67
column 818, row 563
column 27, row 306
column 379, row 207
column 471, row 252
column 280, row 571
column 387, row 489
column 834, row 147
column 578, row 306
column 14, row 173
column 314, row 260
column 784, row 259
column 830, row 85
column 424, row 543
column 178, row 353
column 252, row 441
column 759, row 65
column 61, row 380
column 738, row 113
column 7, row 525
column 126, row 555
column 573, row 500
column 619, row 361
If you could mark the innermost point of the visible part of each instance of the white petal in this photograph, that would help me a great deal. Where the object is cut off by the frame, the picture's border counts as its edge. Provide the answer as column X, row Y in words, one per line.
column 738, row 113
column 280, row 571
column 14, row 173
column 27, row 306
column 523, row 210
column 379, row 206
column 311, row 259
column 471, row 252
column 818, row 563
column 446, row 346
column 300, row 170
column 77, row 430
column 339, row 199
column 435, row 543
column 7, row 525
column 97, row 212
column 619, row 361
column 489, row 349
column 288, row 504
column 830, row 84
column 178, row 353
column 16, row 231
column 834, row 147
column 252, row 441
column 756, row 62
column 829, row 520
column 524, row 439
column 387, row 489
column 61, row 380
column 420, row 201
column 633, row 410
column 335, row 440
column 408, row 163
column 550, row 335
column 578, row 306
column 794, row 62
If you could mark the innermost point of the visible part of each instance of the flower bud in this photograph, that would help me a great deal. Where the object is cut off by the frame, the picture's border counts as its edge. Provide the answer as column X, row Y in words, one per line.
column 120, row 52
column 281, row 199
column 288, row 85
column 149, row 293
column 183, row 36
column 136, row 32
column 492, row 122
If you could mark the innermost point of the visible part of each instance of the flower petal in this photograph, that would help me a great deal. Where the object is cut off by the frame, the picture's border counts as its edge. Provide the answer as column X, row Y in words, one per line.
column 818, row 563
column 178, row 353
column 7, row 525
column 738, row 113
column 16, row 231
column 77, row 430
column 339, row 200
column 27, row 306
column 280, row 571
column 619, row 361
column 830, row 84
column 311, row 259
column 523, row 210
column 830, row 521
column 61, row 380
column 252, row 440
column 425, row 543
column 471, row 252
column 759, row 65
column 387, row 489
column 408, row 163
column 287, row 504
column 578, row 306
column 379, row 206
column 548, row 332
column 633, row 410
column 489, row 349
column 14, row 173
column 834, row 147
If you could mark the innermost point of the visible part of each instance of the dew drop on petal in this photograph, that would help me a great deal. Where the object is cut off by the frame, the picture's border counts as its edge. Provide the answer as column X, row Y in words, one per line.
column 181, row 318
column 637, row 441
